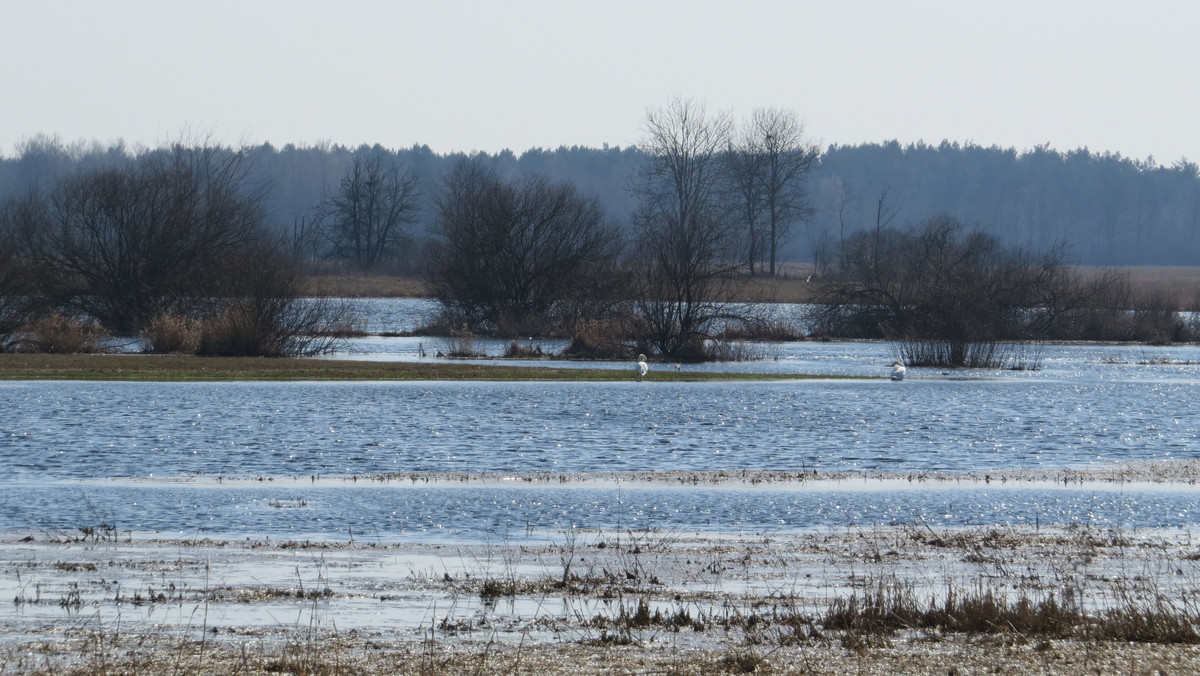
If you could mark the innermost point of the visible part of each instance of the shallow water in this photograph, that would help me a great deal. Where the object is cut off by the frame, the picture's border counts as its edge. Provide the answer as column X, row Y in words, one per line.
column 372, row 511
column 243, row 458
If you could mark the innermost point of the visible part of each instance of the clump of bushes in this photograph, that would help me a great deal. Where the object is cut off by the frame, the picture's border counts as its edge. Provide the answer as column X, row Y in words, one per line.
column 596, row 340
column 516, row 350
column 461, row 345
column 60, row 334
column 272, row 327
column 171, row 334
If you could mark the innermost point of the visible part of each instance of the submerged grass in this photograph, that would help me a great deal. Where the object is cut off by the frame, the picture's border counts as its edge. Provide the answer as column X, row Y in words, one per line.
column 1061, row 610
column 190, row 368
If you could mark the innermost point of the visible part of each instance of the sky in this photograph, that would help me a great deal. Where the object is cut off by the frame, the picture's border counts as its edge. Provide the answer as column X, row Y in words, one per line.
column 1109, row 75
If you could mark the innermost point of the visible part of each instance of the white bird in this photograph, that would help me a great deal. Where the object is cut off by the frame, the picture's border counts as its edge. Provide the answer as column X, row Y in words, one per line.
column 642, row 367
column 898, row 370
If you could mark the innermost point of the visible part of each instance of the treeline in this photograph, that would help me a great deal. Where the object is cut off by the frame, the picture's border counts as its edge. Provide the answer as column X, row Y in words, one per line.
column 949, row 250
column 174, row 244
column 1106, row 208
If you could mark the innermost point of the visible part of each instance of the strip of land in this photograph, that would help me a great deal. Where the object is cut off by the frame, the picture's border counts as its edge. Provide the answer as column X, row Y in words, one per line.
column 165, row 368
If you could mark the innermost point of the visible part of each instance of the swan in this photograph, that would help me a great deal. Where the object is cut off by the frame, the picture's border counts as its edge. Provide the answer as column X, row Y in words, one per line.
column 642, row 367
column 898, row 370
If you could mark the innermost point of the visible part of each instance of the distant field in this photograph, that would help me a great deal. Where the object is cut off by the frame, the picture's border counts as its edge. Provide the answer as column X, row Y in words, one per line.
column 794, row 284
column 366, row 286
column 1182, row 281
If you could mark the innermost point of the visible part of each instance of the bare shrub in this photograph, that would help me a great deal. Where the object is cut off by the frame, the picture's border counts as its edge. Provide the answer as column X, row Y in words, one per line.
column 270, row 327
column 732, row 350
column 260, row 314
column 988, row 354
column 59, row 334
column 949, row 297
column 1155, row 319
column 515, row 350
column 461, row 345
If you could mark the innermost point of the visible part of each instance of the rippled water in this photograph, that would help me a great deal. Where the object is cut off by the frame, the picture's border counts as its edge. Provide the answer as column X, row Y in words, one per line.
column 233, row 458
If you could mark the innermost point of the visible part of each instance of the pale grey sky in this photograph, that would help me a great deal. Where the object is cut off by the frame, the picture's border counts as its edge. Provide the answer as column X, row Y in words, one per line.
column 456, row 75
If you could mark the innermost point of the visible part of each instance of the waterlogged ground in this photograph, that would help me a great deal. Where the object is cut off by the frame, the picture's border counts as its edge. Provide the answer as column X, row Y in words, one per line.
column 443, row 525
column 598, row 601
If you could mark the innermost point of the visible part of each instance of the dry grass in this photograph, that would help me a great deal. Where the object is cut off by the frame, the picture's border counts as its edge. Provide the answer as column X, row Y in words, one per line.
column 171, row 334
column 58, row 334
column 795, row 283
column 365, row 286
column 1179, row 282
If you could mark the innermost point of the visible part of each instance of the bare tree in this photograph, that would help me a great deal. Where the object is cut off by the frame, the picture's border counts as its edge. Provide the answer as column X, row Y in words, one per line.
column 365, row 220
column 509, row 256
column 949, row 297
column 125, row 244
column 788, row 157
column 17, row 279
column 745, row 164
column 688, row 247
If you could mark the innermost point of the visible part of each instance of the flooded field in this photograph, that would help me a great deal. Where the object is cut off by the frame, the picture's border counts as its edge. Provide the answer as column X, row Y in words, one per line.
column 544, row 513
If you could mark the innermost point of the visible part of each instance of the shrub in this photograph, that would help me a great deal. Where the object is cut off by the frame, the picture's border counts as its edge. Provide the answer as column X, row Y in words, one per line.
column 272, row 327
column 60, row 334
column 597, row 340
column 516, row 350
column 461, row 345
column 168, row 333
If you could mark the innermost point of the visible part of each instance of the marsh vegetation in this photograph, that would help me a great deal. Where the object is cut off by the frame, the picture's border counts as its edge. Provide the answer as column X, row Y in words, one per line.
column 1064, row 601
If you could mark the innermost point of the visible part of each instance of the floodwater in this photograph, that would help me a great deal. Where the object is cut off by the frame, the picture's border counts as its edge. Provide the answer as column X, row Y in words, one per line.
column 305, row 459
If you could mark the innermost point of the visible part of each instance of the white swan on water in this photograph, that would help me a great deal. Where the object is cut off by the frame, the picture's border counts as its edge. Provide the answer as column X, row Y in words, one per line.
column 642, row 367
column 898, row 370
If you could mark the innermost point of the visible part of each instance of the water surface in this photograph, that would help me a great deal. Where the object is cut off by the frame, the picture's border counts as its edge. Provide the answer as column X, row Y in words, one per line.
column 244, row 458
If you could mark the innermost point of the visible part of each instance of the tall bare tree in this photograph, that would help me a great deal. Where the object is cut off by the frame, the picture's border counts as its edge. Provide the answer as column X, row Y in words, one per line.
column 511, row 255
column 17, row 279
column 745, row 164
column 365, row 220
column 788, row 157
column 688, row 244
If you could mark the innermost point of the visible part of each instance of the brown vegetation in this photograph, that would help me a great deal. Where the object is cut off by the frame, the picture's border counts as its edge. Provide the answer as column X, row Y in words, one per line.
column 59, row 334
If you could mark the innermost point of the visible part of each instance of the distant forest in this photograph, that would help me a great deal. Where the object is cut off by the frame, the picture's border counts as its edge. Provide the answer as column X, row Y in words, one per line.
column 1107, row 209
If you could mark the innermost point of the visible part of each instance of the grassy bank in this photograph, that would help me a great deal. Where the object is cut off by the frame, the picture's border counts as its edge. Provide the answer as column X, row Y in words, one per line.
column 188, row 368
